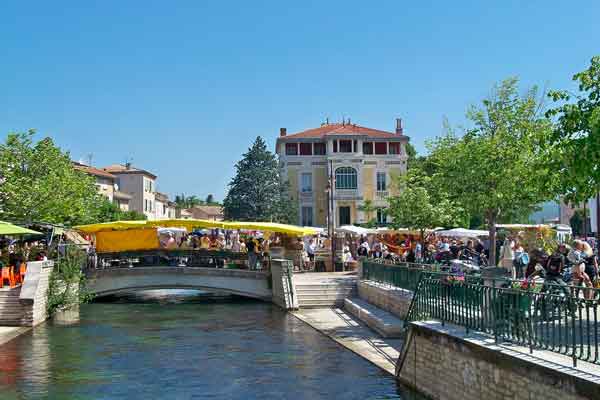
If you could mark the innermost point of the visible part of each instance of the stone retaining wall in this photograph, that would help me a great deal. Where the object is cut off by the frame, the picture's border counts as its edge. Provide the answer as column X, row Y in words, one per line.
column 34, row 293
column 391, row 299
column 284, row 295
column 447, row 367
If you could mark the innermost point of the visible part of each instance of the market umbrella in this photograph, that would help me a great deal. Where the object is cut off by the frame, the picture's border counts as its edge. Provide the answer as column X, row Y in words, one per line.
column 10, row 229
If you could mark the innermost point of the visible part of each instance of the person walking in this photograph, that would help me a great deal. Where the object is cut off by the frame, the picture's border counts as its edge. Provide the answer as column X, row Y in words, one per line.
column 252, row 256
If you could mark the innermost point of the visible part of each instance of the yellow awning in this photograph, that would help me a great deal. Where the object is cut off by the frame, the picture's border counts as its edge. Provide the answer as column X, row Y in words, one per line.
column 111, row 226
column 191, row 224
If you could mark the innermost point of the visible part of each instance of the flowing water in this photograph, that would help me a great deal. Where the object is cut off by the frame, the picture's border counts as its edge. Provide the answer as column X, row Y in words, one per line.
column 186, row 347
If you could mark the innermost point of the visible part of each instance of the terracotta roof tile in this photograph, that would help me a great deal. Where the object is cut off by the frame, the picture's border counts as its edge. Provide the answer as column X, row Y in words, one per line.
column 341, row 129
column 93, row 171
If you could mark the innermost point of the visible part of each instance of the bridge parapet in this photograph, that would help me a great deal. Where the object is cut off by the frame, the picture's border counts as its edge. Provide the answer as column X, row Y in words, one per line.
column 254, row 284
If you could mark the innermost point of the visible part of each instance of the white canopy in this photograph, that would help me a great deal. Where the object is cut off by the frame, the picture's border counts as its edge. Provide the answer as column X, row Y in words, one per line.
column 356, row 230
column 462, row 232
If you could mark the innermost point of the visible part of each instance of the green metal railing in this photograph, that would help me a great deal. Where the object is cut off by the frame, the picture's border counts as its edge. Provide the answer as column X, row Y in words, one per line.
column 403, row 275
column 557, row 318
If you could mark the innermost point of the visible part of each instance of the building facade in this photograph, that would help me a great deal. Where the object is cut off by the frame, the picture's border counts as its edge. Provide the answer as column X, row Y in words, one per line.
column 139, row 184
column 163, row 207
column 360, row 162
column 211, row 213
column 107, row 185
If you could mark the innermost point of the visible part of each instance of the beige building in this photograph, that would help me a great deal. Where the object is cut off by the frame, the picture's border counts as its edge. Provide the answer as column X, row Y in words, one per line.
column 211, row 213
column 107, row 185
column 164, row 208
column 139, row 184
column 362, row 162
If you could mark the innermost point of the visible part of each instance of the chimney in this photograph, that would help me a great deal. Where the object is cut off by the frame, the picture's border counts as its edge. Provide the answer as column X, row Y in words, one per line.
column 282, row 132
column 399, row 130
column 127, row 165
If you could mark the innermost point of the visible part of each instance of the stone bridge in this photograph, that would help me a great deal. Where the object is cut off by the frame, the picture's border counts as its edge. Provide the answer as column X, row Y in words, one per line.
column 254, row 284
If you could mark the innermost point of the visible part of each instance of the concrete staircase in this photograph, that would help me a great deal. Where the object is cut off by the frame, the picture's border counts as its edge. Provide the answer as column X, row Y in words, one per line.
column 324, row 294
column 381, row 321
column 11, row 310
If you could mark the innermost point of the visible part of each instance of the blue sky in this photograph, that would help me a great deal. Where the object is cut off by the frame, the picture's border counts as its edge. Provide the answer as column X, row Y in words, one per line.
column 184, row 87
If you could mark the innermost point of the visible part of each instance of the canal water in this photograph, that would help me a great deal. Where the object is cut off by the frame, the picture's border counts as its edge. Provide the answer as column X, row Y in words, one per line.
column 186, row 347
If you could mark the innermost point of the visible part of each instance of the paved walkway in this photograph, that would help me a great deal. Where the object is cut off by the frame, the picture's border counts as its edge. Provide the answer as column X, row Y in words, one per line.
column 348, row 332
column 8, row 333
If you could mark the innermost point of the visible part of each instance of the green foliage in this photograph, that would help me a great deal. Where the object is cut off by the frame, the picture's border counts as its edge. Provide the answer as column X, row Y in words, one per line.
column 39, row 183
column 184, row 201
column 368, row 208
column 66, row 287
column 109, row 211
column 210, row 199
column 576, row 140
column 577, row 222
column 257, row 192
column 421, row 205
column 498, row 168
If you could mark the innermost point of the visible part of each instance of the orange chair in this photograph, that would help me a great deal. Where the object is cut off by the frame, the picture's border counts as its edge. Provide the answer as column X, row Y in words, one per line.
column 22, row 270
column 6, row 277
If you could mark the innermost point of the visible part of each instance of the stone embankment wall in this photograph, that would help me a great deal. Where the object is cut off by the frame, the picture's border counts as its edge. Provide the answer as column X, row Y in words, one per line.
column 445, row 366
column 391, row 299
column 34, row 292
column 283, row 293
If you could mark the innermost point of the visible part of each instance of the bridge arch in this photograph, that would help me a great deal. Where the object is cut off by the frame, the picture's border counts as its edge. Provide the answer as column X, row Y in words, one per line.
column 253, row 284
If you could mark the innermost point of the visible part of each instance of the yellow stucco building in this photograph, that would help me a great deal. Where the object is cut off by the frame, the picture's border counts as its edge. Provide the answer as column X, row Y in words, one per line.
column 362, row 162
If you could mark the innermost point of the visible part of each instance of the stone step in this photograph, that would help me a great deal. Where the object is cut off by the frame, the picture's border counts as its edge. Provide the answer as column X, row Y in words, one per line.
column 332, row 293
column 381, row 321
column 323, row 286
column 302, row 298
column 321, row 303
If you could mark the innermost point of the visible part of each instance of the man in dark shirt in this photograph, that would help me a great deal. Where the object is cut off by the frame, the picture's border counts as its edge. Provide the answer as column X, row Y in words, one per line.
column 454, row 249
column 252, row 256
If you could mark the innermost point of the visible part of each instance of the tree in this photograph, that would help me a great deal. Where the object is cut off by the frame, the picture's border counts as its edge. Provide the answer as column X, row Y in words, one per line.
column 576, row 139
column 39, row 183
column 210, row 199
column 187, row 202
column 577, row 222
column 109, row 211
column 257, row 192
column 419, row 205
column 498, row 167
column 368, row 208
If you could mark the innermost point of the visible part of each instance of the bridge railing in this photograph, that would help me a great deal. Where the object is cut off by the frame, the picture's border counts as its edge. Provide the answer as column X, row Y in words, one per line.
column 175, row 257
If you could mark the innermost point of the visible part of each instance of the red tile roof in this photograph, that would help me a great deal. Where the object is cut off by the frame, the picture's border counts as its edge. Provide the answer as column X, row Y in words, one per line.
column 122, row 169
column 341, row 129
column 93, row 171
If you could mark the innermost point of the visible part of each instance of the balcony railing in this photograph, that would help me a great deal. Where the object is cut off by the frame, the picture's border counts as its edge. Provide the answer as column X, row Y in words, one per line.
column 347, row 194
column 382, row 194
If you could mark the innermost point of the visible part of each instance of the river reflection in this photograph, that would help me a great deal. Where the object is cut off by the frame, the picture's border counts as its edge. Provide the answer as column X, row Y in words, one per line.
column 186, row 347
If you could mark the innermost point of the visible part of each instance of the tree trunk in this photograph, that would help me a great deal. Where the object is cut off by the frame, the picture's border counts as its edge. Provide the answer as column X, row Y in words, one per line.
column 492, row 233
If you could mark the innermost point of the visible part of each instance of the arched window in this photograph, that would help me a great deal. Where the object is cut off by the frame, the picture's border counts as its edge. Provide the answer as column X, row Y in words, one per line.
column 345, row 178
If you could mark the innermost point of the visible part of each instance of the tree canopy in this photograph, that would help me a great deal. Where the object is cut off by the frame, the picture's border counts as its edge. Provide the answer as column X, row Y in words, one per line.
column 576, row 139
column 497, row 168
column 420, row 205
column 39, row 183
column 256, row 192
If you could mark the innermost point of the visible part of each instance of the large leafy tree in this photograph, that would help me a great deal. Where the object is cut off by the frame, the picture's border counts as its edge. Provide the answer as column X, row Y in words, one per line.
column 498, row 168
column 109, row 211
column 421, row 205
column 39, row 183
column 576, row 139
column 256, row 192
